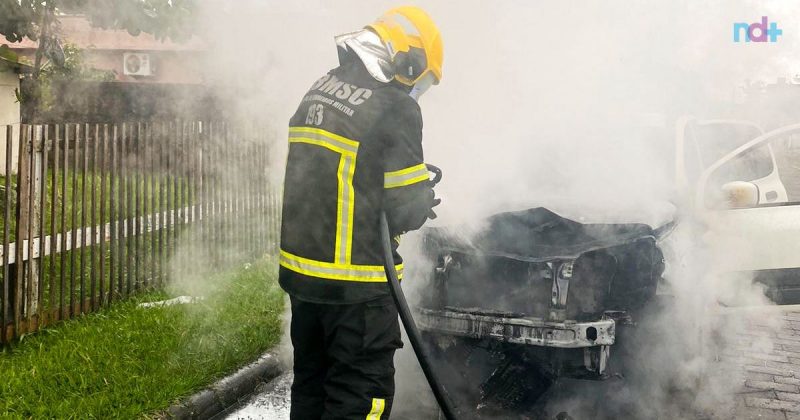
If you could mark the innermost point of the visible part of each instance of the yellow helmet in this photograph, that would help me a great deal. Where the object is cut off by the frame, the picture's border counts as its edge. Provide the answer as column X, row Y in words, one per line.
column 413, row 41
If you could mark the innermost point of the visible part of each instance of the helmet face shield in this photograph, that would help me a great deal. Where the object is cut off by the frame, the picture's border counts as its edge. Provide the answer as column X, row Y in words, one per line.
column 410, row 65
column 422, row 86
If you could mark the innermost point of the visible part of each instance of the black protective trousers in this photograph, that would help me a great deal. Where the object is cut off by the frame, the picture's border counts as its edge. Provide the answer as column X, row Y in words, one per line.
column 344, row 359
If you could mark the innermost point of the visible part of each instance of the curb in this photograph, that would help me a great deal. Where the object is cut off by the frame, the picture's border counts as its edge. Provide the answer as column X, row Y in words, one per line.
column 227, row 391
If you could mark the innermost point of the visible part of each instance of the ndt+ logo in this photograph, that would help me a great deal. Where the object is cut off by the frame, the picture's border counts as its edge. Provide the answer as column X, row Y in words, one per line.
column 756, row 32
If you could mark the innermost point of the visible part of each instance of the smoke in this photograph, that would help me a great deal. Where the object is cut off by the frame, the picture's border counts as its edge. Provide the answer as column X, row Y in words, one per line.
column 539, row 102
column 567, row 105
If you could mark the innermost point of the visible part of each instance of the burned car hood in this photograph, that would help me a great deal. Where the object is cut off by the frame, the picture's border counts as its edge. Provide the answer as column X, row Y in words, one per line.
column 536, row 234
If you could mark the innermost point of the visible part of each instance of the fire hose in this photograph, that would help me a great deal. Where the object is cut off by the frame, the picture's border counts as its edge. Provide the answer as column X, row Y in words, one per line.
column 414, row 336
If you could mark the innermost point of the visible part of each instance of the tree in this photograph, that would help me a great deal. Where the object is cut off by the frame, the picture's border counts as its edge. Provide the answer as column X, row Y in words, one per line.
column 38, row 21
column 161, row 18
column 44, row 91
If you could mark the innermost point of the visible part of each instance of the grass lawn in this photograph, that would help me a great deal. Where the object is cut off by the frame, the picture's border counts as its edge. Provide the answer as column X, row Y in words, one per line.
column 131, row 362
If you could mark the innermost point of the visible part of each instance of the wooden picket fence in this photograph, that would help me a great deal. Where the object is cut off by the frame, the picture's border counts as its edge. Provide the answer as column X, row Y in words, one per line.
column 93, row 213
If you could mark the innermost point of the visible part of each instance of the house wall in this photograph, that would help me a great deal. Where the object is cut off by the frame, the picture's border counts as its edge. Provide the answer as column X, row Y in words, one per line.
column 179, row 67
column 9, row 114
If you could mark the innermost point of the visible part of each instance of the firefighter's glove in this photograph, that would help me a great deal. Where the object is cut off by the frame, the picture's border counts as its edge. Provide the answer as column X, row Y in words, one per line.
column 408, row 210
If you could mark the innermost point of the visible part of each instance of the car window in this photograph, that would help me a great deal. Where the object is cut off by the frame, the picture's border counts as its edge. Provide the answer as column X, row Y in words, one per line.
column 777, row 183
column 749, row 166
column 714, row 141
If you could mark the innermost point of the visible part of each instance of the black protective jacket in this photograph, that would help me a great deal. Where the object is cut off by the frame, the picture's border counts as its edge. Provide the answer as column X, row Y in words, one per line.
column 355, row 147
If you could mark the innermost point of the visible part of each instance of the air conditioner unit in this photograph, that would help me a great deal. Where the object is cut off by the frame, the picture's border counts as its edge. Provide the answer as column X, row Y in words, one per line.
column 137, row 64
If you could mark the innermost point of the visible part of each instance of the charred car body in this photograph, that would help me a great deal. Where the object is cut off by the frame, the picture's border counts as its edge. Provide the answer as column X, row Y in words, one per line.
column 542, row 295
column 532, row 297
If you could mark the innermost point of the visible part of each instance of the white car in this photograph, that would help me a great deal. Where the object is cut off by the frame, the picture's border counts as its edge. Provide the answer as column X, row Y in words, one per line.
column 745, row 188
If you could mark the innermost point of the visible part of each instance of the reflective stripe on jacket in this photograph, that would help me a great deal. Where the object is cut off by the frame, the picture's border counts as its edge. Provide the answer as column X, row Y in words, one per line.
column 355, row 147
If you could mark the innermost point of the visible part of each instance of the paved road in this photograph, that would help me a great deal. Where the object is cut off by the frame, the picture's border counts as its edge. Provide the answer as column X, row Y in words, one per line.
column 764, row 361
column 769, row 362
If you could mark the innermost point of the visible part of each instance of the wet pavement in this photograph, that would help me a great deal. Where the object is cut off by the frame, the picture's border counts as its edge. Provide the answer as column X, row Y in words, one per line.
column 764, row 362
column 270, row 402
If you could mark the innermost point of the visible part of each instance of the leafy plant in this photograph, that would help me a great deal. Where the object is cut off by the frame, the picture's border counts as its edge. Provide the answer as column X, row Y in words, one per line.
column 161, row 18
column 74, row 67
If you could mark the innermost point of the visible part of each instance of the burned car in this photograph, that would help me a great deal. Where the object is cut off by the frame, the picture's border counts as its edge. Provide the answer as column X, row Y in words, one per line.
column 533, row 295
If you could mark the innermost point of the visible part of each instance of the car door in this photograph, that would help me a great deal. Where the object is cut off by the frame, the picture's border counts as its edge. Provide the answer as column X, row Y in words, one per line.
column 749, row 201
column 701, row 143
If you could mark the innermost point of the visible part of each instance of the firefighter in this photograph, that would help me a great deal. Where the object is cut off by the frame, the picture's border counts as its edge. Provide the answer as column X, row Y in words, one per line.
column 355, row 148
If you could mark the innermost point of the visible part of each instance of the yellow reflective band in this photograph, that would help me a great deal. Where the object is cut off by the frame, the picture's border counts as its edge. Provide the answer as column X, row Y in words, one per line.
column 334, row 271
column 344, row 210
column 345, row 206
column 378, row 405
column 351, row 199
column 406, row 176
column 323, row 138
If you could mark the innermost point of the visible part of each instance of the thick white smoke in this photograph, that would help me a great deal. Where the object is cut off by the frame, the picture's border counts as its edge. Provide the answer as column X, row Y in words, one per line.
column 568, row 105
column 539, row 101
